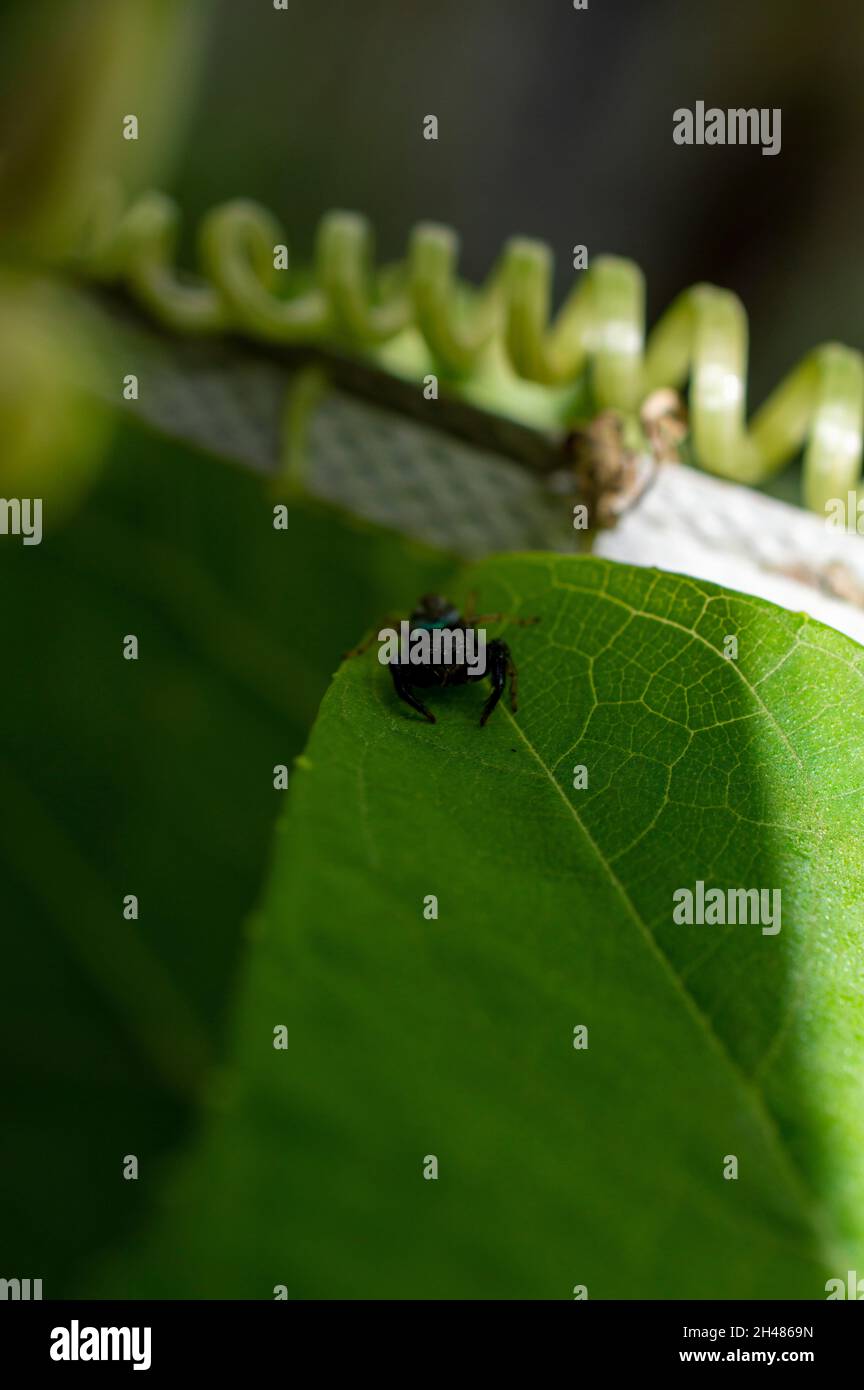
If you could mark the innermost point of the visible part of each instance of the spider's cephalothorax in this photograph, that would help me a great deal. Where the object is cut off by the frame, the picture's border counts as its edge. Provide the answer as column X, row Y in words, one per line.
column 438, row 648
column 435, row 611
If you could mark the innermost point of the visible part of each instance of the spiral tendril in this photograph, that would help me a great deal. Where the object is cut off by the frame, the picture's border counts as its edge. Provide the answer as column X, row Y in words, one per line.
column 508, row 323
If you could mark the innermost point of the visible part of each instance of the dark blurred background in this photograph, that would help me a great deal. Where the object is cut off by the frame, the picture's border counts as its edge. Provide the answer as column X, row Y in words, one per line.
column 157, row 779
column 557, row 123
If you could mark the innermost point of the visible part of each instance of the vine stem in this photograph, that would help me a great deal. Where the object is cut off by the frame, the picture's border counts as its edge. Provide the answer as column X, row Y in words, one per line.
column 599, row 330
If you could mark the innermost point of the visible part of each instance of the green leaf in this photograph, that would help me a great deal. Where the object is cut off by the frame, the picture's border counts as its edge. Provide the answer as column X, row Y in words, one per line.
column 155, row 778
column 453, row 1037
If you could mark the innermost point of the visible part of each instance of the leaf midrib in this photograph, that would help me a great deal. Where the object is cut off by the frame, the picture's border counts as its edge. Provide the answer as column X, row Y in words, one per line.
column 831, row 1241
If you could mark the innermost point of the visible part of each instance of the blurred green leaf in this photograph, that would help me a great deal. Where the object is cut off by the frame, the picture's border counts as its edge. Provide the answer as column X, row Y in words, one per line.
column 454, row 1037
column 152, row 777
column 69, row 77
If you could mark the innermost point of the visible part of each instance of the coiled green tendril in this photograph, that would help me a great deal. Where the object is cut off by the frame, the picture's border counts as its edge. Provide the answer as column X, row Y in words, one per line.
column 600, row 328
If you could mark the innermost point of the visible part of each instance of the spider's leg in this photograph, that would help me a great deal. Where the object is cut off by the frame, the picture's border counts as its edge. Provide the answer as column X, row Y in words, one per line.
column 498, row 654
column 389, row 621
column 502, row 618
column 359, row 650
column 404, row 691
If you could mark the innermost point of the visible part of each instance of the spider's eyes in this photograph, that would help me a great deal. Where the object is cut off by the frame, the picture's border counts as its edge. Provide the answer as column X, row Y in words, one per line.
column 434, row 610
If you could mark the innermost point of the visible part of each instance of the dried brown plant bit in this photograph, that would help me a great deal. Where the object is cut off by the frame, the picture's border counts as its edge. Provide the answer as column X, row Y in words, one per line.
column 664, row 419
column 834, row 579
column 610, row 475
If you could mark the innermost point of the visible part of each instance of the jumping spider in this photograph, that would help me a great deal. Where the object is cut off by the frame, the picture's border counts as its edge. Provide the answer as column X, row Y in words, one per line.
column 434, row 612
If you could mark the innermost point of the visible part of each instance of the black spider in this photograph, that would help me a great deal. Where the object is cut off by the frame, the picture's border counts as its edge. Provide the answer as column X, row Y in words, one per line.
column 436, row 614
